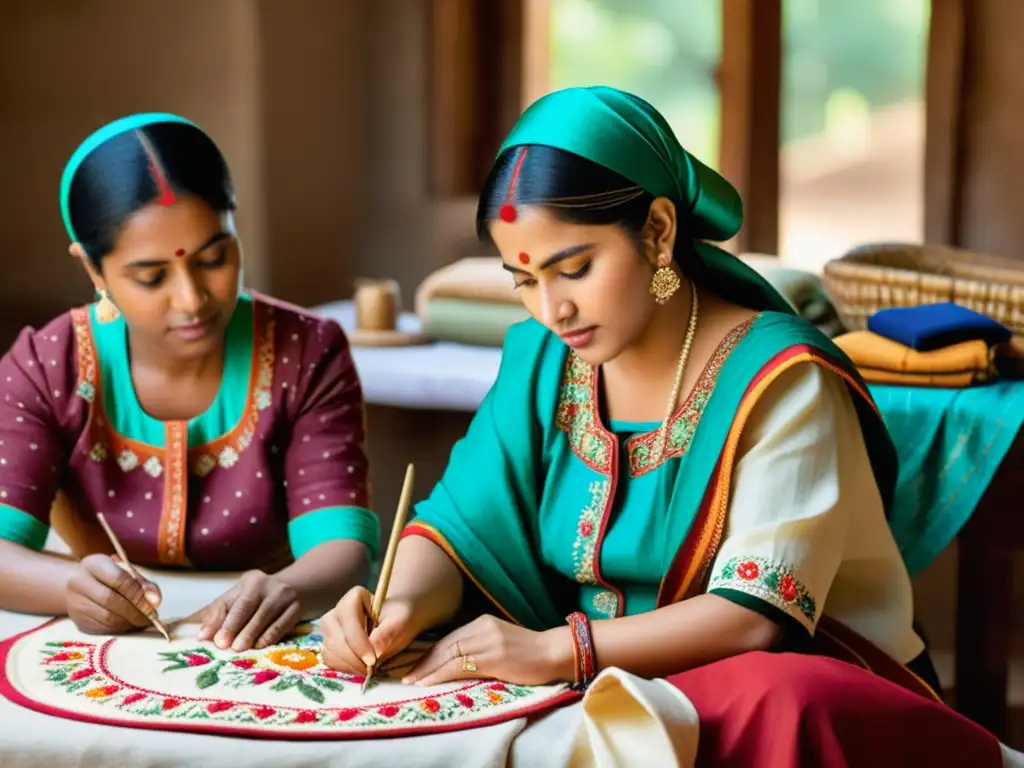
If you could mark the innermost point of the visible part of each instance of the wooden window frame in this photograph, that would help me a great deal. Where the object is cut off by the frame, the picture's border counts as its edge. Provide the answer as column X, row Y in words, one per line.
column 488, row 60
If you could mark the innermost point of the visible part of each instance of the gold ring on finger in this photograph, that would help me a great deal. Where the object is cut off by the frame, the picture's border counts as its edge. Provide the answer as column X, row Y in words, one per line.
column 468, row 664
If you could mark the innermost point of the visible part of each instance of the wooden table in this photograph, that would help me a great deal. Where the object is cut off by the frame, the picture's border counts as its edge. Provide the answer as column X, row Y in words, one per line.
column 987, row 545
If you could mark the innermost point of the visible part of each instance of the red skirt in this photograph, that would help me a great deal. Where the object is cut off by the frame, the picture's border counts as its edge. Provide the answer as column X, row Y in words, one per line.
column 783, row 710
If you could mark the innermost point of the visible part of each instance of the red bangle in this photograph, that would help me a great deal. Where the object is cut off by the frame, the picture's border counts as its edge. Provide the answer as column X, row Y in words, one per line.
column 583, row 649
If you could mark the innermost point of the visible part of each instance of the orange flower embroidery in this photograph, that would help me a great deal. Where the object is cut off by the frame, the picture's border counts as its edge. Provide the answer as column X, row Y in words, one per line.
column 293, row 658
column 103, row 692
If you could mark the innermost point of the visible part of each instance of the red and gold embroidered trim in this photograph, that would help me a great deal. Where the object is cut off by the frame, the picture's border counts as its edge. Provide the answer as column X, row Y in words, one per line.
column 587, row 527
column 683, row 424
column 224, row 451
column 577, row 414
column 87, row 378
column 171, row 537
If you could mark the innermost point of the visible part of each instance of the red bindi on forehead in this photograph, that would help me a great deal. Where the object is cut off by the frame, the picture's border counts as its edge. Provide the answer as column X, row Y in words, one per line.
column 524, row 257
column 180, row 252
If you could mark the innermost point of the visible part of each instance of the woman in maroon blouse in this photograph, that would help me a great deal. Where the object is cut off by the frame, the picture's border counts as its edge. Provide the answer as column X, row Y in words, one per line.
column 214, row 428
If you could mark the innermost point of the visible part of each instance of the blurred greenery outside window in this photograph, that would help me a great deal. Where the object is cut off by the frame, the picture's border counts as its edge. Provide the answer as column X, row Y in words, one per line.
column 852, row 101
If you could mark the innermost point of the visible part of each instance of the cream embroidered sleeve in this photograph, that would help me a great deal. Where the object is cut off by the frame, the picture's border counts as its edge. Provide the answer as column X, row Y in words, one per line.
column 802, row 467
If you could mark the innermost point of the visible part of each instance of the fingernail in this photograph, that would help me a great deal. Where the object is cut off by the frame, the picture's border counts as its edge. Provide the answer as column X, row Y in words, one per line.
column 220, row 640
column 153, row 598
column 407, row 680
column 369, row 659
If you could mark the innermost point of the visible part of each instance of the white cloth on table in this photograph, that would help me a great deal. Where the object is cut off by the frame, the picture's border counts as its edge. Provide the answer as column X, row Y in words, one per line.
column 627, row 711
column 437, row 376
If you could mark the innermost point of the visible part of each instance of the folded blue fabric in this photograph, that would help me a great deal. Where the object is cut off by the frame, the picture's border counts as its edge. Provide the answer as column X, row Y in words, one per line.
column 933, row 326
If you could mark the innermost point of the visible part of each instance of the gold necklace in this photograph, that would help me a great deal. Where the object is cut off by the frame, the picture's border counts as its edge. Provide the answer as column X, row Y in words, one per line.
column 691, row 331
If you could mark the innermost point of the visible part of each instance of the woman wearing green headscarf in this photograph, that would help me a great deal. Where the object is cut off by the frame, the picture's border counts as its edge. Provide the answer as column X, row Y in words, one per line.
column 673, row 460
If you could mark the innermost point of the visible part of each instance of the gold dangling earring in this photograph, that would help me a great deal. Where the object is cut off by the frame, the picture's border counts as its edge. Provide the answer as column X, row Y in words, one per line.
column 664, row 284
column 106, row 311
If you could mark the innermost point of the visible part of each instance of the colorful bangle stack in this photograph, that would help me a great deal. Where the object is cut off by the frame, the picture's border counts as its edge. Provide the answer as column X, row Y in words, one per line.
column 583, row 650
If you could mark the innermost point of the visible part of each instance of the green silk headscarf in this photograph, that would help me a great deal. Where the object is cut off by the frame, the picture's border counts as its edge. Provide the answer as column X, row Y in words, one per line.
column 627, row 135
column 96, row 139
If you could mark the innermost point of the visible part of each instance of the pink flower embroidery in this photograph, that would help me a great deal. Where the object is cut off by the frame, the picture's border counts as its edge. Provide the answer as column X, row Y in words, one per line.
column 464, row 700
column 389, row 710
column 332, row 674
column 344, row 715
column 263, row 676
column 83, row 673
column 306, row 716
column 134, row 698
column 218, row 706
column 748, row 571
column 64, row 656
column 586, row 528
column 264, row 712
column 244, row 663
column 196, row 659
column 497, row 687
column 170, row 704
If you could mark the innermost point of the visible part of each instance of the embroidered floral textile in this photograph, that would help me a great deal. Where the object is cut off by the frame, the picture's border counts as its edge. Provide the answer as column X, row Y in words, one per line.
column 774, row 582
column 138, row 679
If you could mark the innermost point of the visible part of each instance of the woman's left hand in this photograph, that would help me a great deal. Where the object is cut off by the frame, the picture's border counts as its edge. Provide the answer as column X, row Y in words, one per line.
column 258, row 611
column 491, row 648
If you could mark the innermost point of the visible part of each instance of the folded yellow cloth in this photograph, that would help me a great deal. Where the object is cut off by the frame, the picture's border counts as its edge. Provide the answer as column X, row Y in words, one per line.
column 937, row 380
column 478, row 277
column 883, row 361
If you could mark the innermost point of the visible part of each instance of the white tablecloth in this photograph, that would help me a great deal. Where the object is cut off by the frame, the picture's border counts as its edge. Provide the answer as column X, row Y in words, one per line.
column 29, row 739
column 436, row 376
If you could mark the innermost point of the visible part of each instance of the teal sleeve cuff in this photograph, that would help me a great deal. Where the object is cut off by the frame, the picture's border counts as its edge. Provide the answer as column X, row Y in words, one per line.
column 312, row 529
column 21, row 528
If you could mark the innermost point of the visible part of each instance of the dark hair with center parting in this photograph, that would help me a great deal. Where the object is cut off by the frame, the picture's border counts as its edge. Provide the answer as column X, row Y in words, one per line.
column 572, row 188
column 142, row 166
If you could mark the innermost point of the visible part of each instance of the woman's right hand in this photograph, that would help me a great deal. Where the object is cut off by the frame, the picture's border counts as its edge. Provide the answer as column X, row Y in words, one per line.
column 104, row 599
column 349, row 648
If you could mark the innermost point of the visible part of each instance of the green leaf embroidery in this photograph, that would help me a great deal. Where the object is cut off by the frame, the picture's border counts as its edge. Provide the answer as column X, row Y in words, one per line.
column 328, row 683
column 286, row 682
column 209, row 676
column 311, row 692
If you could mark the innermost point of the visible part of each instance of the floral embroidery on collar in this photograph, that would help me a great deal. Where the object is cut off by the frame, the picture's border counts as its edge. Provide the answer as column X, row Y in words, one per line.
column 683, row 424
column 130, row 454
column 578, row 414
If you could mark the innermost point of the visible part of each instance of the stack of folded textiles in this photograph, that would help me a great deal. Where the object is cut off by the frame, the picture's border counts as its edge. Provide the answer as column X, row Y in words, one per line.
column 469, row 302
column 934, row 345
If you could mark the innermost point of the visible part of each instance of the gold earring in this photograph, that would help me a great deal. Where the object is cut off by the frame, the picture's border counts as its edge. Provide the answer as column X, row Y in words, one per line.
column 106, row 311
column 664, row 284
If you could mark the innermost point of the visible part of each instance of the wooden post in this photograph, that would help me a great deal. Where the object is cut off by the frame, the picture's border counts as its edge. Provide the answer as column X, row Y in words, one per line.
column 476, row 86
column 749, row 80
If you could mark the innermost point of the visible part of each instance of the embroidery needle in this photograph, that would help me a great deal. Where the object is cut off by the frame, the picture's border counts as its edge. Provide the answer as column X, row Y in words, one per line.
column 401, row 514
column 131, row 570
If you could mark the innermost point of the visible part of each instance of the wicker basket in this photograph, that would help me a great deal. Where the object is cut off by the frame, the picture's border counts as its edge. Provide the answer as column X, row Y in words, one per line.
column 882, row 276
